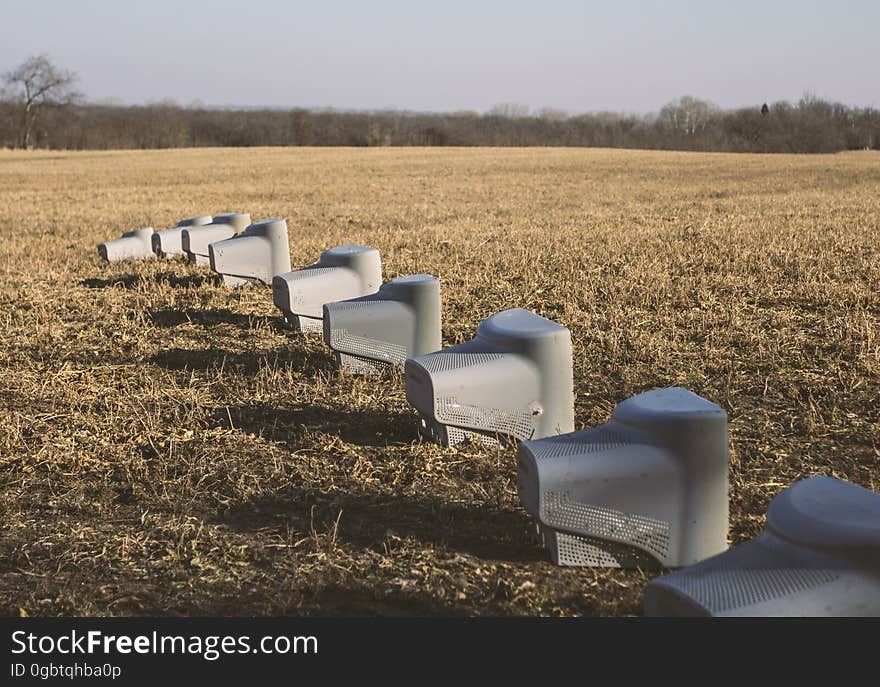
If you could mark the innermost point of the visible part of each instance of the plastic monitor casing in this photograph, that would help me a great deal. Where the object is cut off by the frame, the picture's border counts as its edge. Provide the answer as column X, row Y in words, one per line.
column 649, row 487
column 341, row 273
column 168, row 241
column 132, row 245
column 513, row 381
column 259, row 253
column 819, row 555
column 375, row 332
column 195, row 240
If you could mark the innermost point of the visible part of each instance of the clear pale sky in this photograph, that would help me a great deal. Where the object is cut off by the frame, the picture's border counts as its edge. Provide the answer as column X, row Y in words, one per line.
column 455, row 55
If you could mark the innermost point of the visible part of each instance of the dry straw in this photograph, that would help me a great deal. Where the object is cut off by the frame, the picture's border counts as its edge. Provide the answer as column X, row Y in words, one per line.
column 167, row 447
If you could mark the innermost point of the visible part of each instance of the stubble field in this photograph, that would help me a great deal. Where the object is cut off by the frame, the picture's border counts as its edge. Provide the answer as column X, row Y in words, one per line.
column 168, row 447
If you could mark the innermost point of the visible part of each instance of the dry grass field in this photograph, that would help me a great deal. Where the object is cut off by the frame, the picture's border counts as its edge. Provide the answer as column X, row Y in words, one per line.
column 168, row 447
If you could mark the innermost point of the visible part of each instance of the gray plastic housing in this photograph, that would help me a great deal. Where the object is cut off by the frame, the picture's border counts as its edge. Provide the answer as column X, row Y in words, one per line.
column 132, row 245
column 195, row 240
column 341, row 273
column 649, row 487
column 259, row 253
column 168, row 241
column 513, row 381
column 819, row 555
column 372, row 333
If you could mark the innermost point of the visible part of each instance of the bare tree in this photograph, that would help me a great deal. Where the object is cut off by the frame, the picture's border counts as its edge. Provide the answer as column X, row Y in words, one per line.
column 688, row 115
column 688, row 124
column 551, row 114
column 38, row 83
column 509, row 110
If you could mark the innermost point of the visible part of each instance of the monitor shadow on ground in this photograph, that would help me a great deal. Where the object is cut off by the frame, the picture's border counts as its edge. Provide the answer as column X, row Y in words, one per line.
column 378, row 520
column 248, row 362
column 132, row 281
column 364, row 427
column 209, row 317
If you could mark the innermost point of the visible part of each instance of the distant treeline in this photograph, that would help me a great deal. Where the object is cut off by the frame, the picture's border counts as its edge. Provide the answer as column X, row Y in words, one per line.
column 809, row 126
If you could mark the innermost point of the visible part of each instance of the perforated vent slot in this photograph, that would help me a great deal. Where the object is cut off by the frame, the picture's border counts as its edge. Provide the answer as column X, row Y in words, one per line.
column 577, row 551
column 457, row 435
column 592, row 440
column 572, row 550
column 355, row 365
column 450, row 412
column 442, row 362
column 308, row 273
column 307, row 325
column 343, row 341
column 721, row 590
column 234, row 282
column 452, row 436
column 605, row 523
column 359, row 305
